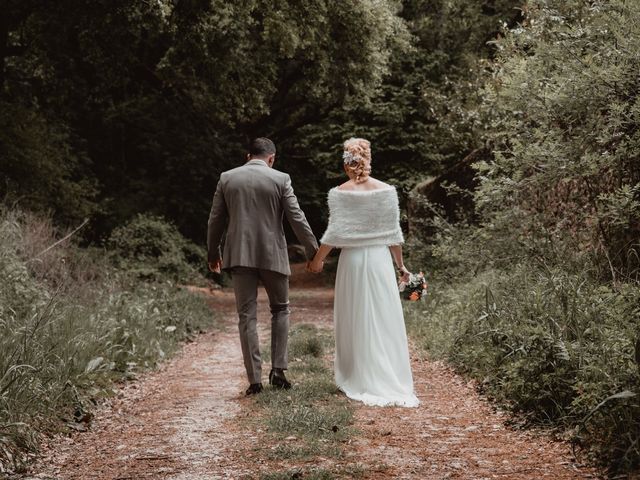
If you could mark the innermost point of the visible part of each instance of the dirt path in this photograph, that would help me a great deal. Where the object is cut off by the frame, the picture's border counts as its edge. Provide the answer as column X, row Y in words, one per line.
column 172, row 424
column 184, row 422
column 457, row 435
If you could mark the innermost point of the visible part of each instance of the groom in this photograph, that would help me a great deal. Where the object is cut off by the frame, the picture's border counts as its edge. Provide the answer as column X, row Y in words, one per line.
column 250, row 202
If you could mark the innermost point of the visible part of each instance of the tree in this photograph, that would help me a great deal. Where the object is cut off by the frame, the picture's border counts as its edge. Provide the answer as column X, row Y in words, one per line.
column 160, row 97
column 423, row 118
column 562, row 112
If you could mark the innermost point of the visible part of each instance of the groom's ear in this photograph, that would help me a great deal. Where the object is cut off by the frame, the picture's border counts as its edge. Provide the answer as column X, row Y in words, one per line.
column 271, row 159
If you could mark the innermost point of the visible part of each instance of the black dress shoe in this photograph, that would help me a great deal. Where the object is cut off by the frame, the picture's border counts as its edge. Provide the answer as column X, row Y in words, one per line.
column 253, row 389
column 278, row 380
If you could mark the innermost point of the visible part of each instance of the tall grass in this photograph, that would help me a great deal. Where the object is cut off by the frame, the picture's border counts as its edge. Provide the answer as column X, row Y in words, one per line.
column 557, row 348
column 70, row 324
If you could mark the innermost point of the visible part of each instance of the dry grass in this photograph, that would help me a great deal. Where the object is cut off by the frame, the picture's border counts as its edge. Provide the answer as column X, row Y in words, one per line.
column 69, row 326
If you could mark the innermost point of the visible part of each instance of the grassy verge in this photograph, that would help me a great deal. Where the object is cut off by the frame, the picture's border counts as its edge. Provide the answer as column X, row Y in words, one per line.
column 70, row 326
column 315, row 474
column 312, row 422
column 555, row 348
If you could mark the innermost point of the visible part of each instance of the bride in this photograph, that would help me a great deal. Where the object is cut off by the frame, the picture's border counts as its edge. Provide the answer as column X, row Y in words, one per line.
column 372, row 356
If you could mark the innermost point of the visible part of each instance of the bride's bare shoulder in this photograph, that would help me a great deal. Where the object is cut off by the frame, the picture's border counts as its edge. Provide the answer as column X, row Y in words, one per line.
column 348, row 185
column 371, row 184
column 378, row 184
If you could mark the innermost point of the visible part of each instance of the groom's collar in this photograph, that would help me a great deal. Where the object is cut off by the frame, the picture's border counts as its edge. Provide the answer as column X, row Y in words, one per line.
column 257, row 161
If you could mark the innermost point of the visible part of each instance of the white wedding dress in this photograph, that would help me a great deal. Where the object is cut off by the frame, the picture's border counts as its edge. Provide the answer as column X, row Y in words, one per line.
column 372, row 356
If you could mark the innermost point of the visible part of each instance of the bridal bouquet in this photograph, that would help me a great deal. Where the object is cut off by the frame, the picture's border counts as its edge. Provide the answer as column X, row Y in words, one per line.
column 415, row 289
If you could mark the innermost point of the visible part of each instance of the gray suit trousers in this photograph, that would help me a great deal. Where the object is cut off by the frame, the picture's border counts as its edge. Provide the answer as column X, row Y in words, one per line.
column 245, row 286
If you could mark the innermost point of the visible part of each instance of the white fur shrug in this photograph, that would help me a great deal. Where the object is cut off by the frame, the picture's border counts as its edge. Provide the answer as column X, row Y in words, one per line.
column 363, row 218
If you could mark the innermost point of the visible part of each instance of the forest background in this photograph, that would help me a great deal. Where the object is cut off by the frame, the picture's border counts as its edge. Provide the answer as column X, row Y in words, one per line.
column 511, row 128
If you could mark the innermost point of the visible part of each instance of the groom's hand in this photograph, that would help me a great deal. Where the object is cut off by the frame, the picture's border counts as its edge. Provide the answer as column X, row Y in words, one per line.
column 216, row 267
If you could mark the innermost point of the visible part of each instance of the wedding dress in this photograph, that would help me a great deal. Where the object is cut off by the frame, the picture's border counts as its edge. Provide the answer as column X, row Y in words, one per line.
column 372, row 355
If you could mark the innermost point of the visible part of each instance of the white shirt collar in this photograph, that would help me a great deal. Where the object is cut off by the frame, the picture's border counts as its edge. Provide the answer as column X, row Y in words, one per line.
column 255, row 161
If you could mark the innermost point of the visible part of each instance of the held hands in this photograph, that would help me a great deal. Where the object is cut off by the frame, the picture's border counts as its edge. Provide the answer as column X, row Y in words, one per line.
column 315, row 266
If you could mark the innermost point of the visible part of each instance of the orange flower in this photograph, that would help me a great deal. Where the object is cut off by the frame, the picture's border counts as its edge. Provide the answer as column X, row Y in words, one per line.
column 414, row 296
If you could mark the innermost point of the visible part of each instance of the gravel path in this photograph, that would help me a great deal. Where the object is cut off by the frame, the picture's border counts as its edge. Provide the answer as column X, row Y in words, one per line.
column 187, row 421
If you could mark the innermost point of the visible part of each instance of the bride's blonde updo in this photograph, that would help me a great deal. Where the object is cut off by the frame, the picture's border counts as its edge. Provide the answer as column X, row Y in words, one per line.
column 357, row 159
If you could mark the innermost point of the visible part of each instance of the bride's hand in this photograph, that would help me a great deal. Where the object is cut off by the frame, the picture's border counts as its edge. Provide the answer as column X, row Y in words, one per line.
column 404, row 274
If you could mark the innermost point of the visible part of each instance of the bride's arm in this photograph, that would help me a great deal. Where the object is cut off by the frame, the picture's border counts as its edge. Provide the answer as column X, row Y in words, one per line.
column 316, row 264
column 396, row 253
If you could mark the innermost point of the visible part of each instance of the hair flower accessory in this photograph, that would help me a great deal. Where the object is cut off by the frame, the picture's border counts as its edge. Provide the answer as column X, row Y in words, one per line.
column 350, row 159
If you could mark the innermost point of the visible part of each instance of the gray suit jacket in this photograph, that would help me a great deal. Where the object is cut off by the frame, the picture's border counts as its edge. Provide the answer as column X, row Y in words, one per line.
column 251, row 202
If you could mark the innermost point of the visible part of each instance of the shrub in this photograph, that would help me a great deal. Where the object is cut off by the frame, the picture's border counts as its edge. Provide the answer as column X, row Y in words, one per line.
column 538, row 296
column 41, row 167
column 65, row 334
column 152, row 248
column 563, row 119
column 550, row 345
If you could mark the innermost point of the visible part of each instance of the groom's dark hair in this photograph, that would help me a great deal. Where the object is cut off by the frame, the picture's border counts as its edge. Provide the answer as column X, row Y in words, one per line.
column 262, row 146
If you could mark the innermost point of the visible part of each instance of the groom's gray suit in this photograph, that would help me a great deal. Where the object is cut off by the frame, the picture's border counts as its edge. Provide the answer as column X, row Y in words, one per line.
column 251, row 202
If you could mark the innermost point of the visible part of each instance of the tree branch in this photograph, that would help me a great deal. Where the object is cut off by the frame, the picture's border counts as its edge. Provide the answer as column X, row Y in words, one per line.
column 66, row 237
